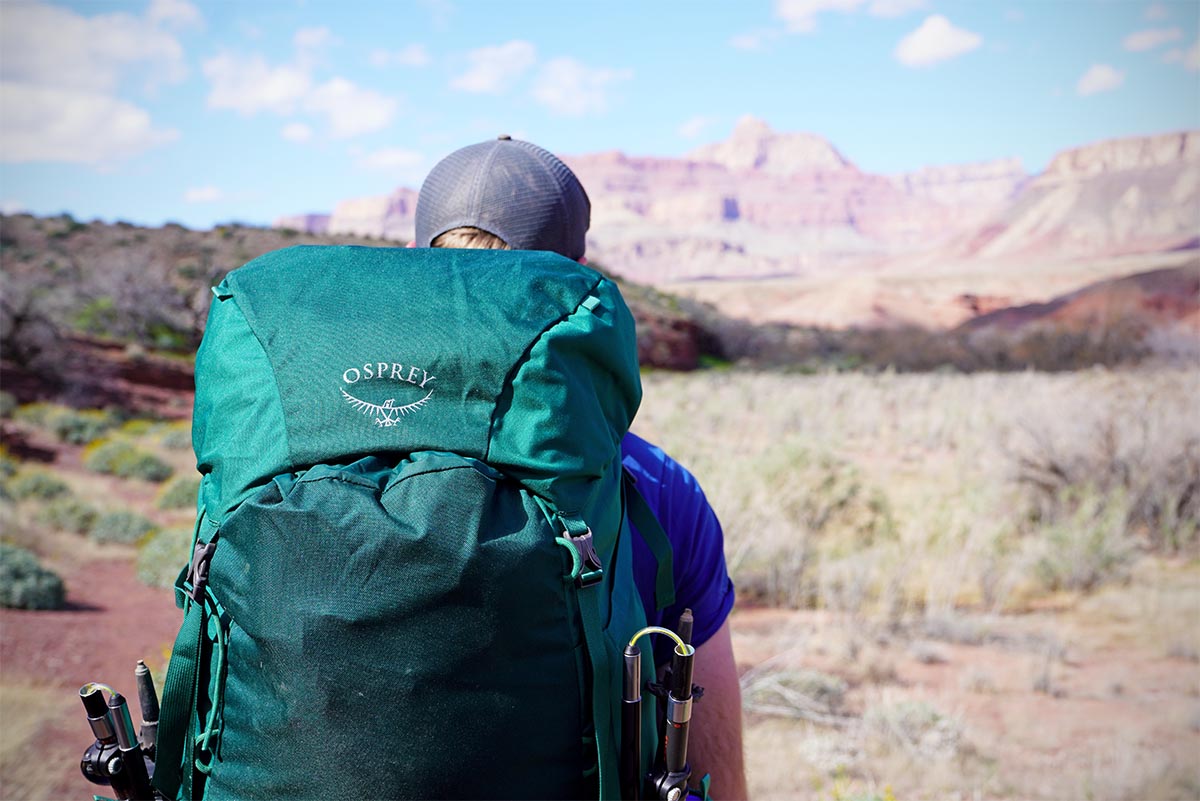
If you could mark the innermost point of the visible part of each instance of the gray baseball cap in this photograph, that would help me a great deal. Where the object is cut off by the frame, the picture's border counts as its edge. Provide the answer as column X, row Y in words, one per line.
column 512, row 189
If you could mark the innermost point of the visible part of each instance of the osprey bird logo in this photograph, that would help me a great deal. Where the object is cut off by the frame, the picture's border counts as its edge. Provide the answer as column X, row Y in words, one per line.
column 387, row 414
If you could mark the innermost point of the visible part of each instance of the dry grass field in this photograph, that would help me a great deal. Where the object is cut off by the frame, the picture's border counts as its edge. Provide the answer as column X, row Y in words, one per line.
column 950, row 586
column 956, row 586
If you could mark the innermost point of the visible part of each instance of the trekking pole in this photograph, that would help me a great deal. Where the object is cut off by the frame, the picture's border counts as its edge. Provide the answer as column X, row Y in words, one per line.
column 631, row 725
column 148, row 703
column 116, row 758
column 670, row 775
column 133, row 765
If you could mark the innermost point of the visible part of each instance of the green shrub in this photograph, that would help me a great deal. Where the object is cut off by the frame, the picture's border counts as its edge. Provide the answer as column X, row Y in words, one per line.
column 81, row 427
column 178, row 437
column 179, row 493
column 36, row 414
column 162, row 555
column 36, row 484
column 123, row 460
column 139, row 427
column 99, row 316
column 73, row 426
column 25, row 584
column 1087, row 548
column 8, row 465
column 69, row 514
column 8, row 405
column 122, row 526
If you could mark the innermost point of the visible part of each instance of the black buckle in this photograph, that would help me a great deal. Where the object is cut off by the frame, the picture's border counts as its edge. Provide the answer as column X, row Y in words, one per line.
column 592, row 571
column 198, row 572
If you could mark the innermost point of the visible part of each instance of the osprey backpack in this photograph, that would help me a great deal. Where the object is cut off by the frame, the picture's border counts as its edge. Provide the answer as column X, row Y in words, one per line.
column 411, row 572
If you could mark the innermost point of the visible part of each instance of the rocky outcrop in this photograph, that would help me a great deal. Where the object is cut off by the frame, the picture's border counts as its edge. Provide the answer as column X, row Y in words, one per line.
column 1134, row 153
column 1168, row 297
column 755, row 147
column 308, row 223
column 383, row 217
column 1121, row 196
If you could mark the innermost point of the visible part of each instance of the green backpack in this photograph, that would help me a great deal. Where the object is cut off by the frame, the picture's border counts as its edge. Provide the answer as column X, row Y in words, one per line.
column 412, row 572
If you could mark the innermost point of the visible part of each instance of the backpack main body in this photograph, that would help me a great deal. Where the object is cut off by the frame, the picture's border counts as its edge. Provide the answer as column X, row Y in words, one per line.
column 412, row 573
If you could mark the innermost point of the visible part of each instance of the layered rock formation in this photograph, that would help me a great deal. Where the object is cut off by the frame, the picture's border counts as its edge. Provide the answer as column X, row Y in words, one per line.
column 1121, row 196
column 765, row 203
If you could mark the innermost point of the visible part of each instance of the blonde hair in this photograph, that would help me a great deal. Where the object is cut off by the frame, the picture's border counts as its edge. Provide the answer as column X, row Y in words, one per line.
column 468, row 237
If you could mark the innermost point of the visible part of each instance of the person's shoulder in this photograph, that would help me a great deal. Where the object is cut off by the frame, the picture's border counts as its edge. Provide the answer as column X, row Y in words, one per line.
column 637, row 450
column 642, row 457
column 646, row 460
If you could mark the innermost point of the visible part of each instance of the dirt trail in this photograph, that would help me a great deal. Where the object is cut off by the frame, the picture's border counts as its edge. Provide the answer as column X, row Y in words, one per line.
column 110, row 622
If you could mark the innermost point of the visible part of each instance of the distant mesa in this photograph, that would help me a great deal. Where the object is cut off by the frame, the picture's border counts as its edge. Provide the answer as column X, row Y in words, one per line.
column 767, row 203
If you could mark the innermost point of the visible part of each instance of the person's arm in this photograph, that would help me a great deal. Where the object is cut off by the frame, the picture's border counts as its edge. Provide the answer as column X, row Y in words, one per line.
column 715, row 735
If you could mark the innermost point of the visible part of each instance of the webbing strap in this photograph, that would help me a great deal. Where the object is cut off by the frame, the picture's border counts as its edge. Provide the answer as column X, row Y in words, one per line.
column 178, row 701
column 656, row 540
column 593, row 634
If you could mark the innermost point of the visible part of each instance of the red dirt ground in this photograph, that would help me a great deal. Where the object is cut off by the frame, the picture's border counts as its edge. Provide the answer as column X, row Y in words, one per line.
column 111, row 621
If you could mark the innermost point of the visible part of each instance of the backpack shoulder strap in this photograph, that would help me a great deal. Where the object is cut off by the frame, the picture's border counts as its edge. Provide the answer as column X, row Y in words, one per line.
column 647, row 525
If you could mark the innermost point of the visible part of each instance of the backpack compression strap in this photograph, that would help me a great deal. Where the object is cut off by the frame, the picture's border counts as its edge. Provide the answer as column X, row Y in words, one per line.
column 175, row 763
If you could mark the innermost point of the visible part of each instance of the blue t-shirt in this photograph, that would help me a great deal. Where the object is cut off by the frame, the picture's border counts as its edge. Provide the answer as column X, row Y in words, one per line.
column 702, row 583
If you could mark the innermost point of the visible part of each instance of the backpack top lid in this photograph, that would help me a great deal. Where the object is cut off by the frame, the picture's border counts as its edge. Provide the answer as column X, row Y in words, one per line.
column 324, row 354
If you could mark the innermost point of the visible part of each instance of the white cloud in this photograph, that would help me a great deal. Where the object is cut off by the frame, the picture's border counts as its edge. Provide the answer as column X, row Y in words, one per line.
column 395, row 161
column 61, row 72
column 51, row 46
column 754, row 40
column 1157, row 11
column 310, row 45
column 312, row 38
column 1099, row 78
column 495, row 69
column 178, row 14
column 67, row 125
column 414, row 55
column 203, row 194
column 695, row 126
column 1191, row 59
column 800, row 16
column 248, row 84
column 11, row 206
column 440, row 12
column 573, row 89
column 350, row 110
column 1150, row 39
column 296, row 132
column 935, row 40
column 895, row 8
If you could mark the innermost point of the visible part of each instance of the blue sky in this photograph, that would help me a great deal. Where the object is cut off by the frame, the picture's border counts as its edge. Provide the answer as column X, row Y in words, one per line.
column 208, row 112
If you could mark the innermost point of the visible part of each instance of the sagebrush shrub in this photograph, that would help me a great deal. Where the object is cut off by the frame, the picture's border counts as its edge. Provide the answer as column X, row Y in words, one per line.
column 69, row 514
column 178, row 437
column 36, row 484
column 179, row 493
column 121, row 526
column 73, row 426
column 8, row 465
column 123, row 460
column 25, row 584
column 162, row 555
column 81, row 427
